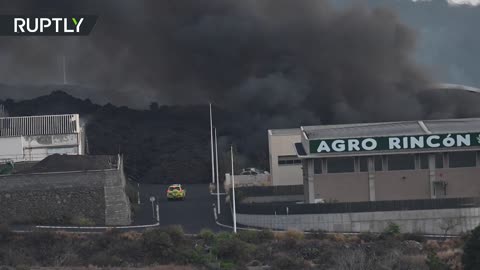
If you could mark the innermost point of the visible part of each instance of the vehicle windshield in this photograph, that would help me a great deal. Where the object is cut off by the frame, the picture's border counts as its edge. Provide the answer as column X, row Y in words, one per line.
column 174, row 188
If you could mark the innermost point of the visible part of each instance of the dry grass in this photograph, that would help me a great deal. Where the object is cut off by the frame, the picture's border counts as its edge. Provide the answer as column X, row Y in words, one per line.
column 416, row 262
column 159, row 267
column 290, row 234
column 432, row 245
column 338, row 238
column 131, row 236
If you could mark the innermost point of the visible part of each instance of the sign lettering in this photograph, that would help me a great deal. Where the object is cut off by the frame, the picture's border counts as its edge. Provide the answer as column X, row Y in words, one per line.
column 395, row 143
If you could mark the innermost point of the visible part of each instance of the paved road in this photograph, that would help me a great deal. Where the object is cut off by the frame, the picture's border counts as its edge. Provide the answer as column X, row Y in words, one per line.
column 193, row 214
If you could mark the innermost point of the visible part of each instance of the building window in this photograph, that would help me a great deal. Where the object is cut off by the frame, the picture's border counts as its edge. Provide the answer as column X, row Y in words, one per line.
column 401, row 162
column 288, row 160
column 340, row 165
column 424, row 161
column 462, row 159
column 439, row 160
column 364, row 164
column 317, row 166
column 378, row 163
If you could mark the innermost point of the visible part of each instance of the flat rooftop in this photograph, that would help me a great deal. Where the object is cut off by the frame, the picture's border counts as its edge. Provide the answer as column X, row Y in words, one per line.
column 72, row 163
column 285, row 131
column 424, row 127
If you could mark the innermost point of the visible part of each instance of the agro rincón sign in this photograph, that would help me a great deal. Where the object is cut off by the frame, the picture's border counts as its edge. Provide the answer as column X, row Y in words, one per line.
column 395, row 143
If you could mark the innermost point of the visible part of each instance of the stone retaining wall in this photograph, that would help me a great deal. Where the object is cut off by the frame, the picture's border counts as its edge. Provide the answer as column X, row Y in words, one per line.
column 60, row 198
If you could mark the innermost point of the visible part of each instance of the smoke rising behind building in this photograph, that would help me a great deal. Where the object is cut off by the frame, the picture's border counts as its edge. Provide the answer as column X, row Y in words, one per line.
column 282, row 62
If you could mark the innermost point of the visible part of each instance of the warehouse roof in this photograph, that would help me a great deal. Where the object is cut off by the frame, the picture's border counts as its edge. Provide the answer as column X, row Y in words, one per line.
column 392, row 128
column 285, row 131
column 70, row 163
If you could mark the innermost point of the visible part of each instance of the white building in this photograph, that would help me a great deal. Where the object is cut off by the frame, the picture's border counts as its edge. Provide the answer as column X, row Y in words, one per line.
column 285, row 166
column 32, row 138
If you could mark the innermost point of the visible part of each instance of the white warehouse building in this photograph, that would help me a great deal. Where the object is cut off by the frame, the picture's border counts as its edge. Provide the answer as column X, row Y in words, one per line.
column 33, row 138
column 285, row 166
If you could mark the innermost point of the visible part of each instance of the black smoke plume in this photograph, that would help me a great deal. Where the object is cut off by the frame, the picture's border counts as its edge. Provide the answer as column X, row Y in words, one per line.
column 278, row 63
column 294, row 59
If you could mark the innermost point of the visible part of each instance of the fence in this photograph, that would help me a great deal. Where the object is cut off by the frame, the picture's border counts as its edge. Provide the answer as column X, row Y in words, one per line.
column 39, row 125
column 355, row 207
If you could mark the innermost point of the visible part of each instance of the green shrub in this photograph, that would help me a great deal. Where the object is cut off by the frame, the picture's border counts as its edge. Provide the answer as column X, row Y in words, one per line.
column 207, row 235
column 158, row 246
column 264, row 252
column 414, row 237
column 229, row 248
column 309, row 252
column 266, row 235
column 196, row 256
column 471, row 250
column 228, row 266
column 392, row 229
column 434, row 263
column 103, row 259
column 368, row 236
column 127, row 249
column 82, row 221
column 287, row 263
column 176, row 233
column 255, row 237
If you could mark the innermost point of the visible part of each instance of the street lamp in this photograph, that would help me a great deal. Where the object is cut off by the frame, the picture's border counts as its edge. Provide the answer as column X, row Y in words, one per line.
column 216, row 162
column 211, row 143
column 233, row 194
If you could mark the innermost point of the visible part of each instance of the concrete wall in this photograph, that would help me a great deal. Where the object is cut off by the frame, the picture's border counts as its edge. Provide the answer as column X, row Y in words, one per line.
column 342, row 187
column 11, row 147
column 35, row 148
column 283, row 145
column 96, row 195
column 416, row 221
column 253, row 180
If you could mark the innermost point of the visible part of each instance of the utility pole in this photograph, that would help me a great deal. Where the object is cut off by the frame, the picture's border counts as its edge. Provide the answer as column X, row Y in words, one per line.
column 233, row 194
column 211, row 143
column 216, row 164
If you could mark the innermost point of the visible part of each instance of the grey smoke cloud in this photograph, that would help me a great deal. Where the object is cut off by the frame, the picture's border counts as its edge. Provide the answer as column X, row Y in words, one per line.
column 286, row 62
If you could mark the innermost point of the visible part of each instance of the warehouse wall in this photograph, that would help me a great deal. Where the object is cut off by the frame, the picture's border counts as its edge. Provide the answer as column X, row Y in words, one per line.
column 461, row 182
column 283, row 145
column 402, row 185
column 35, row 148
column 11, row 147
column 342, row 187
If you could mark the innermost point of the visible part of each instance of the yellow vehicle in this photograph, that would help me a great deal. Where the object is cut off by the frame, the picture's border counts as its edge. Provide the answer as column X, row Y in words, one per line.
column 176, row 192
